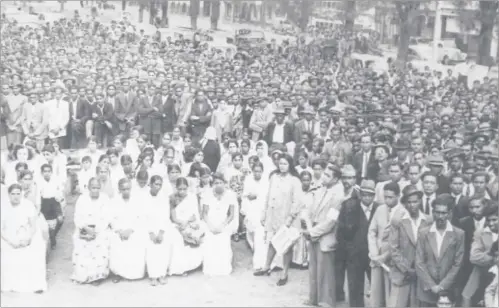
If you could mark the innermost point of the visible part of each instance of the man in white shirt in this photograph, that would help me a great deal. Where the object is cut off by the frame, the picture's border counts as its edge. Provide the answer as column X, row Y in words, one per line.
column 439, row 254
column 430, row 187
column 59, row 116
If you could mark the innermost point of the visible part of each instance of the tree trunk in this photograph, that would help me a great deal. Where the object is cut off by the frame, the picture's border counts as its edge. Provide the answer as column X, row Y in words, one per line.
column 141, row 12
column 194, row 13
column 263, row 10
column 164, row 13
column 488, row 12
column 123, row 5
column 152, row 11
column 350, row 6
column 62, row 5
column 215, row 14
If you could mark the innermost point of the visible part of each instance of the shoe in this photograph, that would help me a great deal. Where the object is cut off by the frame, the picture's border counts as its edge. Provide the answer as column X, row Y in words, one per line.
column 163, row 280
column 309, row 303
column 96, row 283
column 154, row 282
column 281, row 282
column 235, row 238
column 262, row 272
column 117, row 279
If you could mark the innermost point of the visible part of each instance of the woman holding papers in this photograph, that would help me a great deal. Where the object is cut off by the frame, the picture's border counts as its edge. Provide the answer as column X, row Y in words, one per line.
column 281, row 209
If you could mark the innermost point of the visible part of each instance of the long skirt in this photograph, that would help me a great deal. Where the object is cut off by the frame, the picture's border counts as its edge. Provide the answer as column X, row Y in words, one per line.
column 217, row 251
column 256, row 240
column 90, row 258
column 24, row 269
column 184, row 257
column 158, row 257
column 127, row 258
column 44, row 229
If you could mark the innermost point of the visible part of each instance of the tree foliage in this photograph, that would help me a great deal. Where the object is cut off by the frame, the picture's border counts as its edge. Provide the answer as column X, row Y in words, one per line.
column 297, row 11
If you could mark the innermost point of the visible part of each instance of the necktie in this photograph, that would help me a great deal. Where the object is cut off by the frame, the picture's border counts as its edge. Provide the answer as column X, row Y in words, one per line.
column 427, row 206
column 468, row 190
column 364, row 165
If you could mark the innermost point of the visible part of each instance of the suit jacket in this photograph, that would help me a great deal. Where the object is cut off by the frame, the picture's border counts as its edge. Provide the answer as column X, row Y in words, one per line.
column 183, row 110
column 322, row 217
column 468, row 226
column 433, row 269
column 288, row 133
column 35, row 120
column 4, row 114
column 340, row 151
column 301, row 127
column 352, row 229
column 203, row 111
column 378, row 173
column 211, row 151
column 125, row 107
column 379, row 232
column 403, row 248
column 358, row 162
column 106, row 114
column 82, row 111
column 443, row 184
column 150, row 119
column 460, row 210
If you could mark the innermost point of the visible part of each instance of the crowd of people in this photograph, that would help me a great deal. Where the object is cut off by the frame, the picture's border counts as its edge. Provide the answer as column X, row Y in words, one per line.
column 175, row 149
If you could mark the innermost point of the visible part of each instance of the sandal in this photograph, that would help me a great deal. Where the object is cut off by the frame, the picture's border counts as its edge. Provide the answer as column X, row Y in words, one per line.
column 163, row 280
column 117, row 279
column 154, row 282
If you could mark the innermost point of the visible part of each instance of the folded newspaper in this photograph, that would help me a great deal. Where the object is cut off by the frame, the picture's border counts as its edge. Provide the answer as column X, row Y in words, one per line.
column 284, row 238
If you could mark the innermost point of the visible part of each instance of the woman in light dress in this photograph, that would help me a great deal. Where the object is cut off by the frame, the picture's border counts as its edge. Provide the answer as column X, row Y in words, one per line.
column 187, row 254
column 197, row 157
column 160, row 230
column 31, row 193
column 218, row 214
column 23, row 253
column 20, row 154
column 252, row 206
column 226, row 159
column 262, row 151
column 281, row 209
column 105, row 182
column 300, row 252
column 127, row 256
column 91, row 236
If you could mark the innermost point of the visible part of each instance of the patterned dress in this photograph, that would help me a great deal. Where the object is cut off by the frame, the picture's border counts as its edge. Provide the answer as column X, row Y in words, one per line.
column 91, row 257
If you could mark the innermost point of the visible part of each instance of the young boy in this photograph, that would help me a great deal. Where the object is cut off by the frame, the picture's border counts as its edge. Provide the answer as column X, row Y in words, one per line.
column 52, row 197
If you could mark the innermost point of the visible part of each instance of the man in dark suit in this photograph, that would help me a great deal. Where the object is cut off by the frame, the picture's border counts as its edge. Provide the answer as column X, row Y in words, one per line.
column 436, row 165
column 200, row 116
column 363, row 158
column 469, row 224
column 353, row 224
column 169, row 103
column 439, row 254
column 403, row 238
column 460, row 204
column 125, row 109
column 150, row 114
column 279, row 132
column 79, row 113
column 307, row 124
column 102, row 114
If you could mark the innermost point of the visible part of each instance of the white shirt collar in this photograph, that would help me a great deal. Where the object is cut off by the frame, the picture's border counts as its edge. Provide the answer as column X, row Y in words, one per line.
column 448, row 227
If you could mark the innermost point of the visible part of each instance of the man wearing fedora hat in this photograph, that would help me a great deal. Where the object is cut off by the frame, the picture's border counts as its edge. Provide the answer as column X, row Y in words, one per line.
column 439, row 254
column 279, row 132
column 355, row 215
column 307, row 124
column 403, row 238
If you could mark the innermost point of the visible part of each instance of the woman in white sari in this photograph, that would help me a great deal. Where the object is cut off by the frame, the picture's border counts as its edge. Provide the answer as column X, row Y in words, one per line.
column 128, row 236
column 91, row 236
column 23, row 266
column 184, row 211
column 31, row 193
column 262, row 151
column 160, row 230
column 253, row 203
column 218, row 214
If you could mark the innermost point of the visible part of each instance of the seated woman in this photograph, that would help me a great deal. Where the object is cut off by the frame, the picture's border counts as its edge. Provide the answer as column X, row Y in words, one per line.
column 218, row 214
column 184, row 211
column 127, row 256
column 23, row 266
column 91, row 236
column 32, row 193
column 160, row 230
